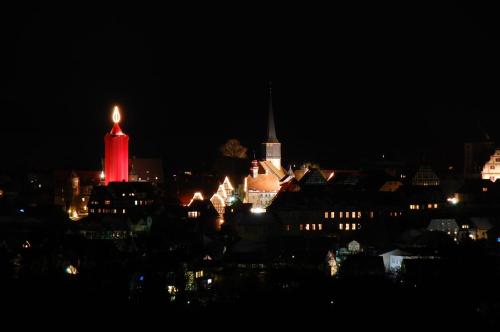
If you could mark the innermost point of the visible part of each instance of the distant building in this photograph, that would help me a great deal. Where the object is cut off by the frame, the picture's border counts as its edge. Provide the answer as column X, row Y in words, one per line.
column 122, row 198
column 72, row 191
column 476, row 154
column 491, row 169
column 425, row 176
column 263, row 183
column 204, row 213
column 394, row 259
column 479, row 228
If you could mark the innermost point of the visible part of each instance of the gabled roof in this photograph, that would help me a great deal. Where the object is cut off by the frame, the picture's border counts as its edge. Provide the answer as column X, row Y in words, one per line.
column 269, row 167
column 425, row 176
column 263, row 183
column 313, row 177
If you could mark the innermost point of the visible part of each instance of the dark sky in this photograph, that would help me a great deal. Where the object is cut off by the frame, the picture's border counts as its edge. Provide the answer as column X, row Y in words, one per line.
column 349, row 80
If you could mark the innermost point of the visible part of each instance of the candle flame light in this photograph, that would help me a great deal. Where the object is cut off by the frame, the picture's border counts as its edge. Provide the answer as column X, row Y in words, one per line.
column 116, row 115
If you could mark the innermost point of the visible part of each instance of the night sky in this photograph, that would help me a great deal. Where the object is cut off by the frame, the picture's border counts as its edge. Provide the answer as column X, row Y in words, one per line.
column 349, row 81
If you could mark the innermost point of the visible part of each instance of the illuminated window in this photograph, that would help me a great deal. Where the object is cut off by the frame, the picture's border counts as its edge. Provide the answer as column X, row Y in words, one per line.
column 136, row 202
column 371, row 214
column 326, row 215
column 359, row 226
column 332, row 215
column 347, row 215
column 114, row 211
column 353, row 227
column 429, row 206
column 123, row 211
column 313, row 227
column 359, row 214
column 194, row 214
column 485, row 189
column 288, row 228
column 435, row 206
column 307, row 227
column 320, row 227
column 107, row 202
column 301, row 227
column 341, row 215
column 347, row 227
column 353, row 214
column 411, row 207
column 341, row 226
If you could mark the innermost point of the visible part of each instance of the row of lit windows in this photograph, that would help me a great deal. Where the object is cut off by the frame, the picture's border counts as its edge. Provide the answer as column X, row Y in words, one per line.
column 143, row 202
column 136, row 202
column 395, row 214
column 123, row 211
column 311, row 227
column 346, row 214
column 349, row 227
column 194, row 214
column 422, row 206
column 129, row 194
column 465, row 226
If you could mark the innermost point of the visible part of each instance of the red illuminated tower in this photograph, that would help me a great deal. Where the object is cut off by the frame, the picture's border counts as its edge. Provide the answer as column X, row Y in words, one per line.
column 116, row 152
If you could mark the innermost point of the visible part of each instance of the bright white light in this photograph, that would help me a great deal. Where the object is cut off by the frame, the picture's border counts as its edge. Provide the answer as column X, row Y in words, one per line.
column 71, row 270
column 209, row 281
column 172, row 290
column 453, row 200
column 116, row 115
column 258, row 210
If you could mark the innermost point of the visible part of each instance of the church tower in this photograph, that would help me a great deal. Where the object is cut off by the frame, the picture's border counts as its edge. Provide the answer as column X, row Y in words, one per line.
column 272, row 147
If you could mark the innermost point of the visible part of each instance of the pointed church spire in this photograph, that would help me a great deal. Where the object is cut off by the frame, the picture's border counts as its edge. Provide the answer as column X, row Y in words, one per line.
column 271, row 130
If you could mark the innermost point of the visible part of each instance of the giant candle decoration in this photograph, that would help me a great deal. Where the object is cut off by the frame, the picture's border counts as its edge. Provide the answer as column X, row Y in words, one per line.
column 116, row 152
